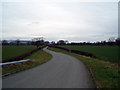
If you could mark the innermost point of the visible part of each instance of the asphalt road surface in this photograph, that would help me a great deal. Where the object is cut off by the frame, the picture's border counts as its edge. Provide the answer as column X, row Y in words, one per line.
column 62, row 71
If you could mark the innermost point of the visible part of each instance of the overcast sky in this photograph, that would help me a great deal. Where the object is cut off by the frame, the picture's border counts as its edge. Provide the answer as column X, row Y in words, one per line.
column 70, row 20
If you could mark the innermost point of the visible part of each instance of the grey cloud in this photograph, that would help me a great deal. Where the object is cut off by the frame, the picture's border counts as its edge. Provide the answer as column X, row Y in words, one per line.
column 61, row 20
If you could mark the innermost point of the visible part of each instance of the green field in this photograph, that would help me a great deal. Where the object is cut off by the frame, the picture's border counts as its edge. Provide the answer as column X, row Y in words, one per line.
column 105, row 74
column 110, row 53
column 11, row 51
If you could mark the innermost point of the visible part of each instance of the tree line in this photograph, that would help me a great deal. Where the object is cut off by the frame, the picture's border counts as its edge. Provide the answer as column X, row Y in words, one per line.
column 39, row 42
column 111, row 41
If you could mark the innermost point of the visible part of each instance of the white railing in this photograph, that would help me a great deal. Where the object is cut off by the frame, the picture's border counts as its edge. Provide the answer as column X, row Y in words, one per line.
column 14, row 62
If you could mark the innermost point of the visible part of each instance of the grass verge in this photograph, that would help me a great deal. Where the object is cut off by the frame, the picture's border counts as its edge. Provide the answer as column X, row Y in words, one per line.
column 105, row 74
column 38, row 58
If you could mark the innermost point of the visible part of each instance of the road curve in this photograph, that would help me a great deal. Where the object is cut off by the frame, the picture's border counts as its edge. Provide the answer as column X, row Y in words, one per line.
column 62, row 71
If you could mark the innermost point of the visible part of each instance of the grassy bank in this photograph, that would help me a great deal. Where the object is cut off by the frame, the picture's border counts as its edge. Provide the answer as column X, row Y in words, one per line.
column 110, row 53
column 11, row 51
column 38, row 58
column 105, row 74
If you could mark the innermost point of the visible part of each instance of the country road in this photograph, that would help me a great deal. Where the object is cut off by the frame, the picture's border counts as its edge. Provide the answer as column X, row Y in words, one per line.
column 62, row 71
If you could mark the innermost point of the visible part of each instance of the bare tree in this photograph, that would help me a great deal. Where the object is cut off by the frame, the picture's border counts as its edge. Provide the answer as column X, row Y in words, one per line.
column 111, row 39
column 66, row 41
column 53, row 42
column 46, row 42
column 117, row 41
column 5, row 42
column 61, row 42
column 17, row 42
column 38, row 41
